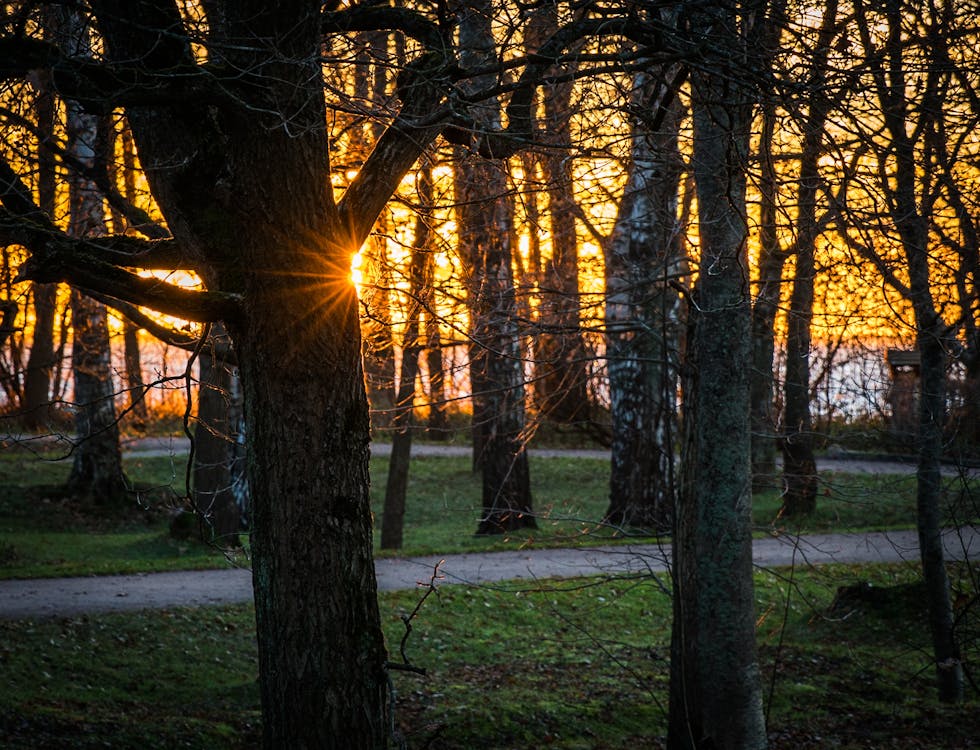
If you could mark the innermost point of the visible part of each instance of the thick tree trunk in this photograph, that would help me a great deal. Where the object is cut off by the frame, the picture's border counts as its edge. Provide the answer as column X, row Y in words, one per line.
column 96, row 472
column 716, row 695
column 642, row 323
column 321, row 650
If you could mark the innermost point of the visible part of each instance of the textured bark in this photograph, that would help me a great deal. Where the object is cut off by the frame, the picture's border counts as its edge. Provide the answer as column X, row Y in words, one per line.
column 642, row 316
column 716, row 696
column 246, row 187
column 485, row 221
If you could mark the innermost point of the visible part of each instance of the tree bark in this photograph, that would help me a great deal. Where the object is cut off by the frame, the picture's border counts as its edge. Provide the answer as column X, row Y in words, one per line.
column 716, row 695
column 643, row 318
column 496, row 374
column 96, row 472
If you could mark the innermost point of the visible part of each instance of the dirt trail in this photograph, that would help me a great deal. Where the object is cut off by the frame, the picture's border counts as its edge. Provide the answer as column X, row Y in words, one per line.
column 67, row 597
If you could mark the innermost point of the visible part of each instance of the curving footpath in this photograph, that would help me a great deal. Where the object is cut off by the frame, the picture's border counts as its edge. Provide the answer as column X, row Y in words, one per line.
column 68, row 597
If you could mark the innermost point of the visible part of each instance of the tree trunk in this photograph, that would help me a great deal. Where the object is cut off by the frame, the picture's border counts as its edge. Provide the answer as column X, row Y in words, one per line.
column 772, row 258
column 561, row 374
column 215, row 443
column 912, row 228
column 496, row 374
column 36, row 405
column 437, row 423
column 321, row 651
column 96, row 472
column 642, row 320
column 392, row 519
column 799, row 463
column 716, row 696
column 134, row 375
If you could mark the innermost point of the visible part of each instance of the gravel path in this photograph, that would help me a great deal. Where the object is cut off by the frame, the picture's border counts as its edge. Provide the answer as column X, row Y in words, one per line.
column 66, row 597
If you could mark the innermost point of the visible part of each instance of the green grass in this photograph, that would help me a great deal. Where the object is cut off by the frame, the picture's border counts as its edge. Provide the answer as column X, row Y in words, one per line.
column 42, row 534
column 581, row 665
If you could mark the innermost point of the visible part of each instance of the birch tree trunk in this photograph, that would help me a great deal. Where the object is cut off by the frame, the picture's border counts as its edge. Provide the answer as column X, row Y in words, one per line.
column 643, row 328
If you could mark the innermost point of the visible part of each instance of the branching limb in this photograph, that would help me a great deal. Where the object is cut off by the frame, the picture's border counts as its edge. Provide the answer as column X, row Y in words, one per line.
column 95, row 276
column 406, row 665
column 169, row 335
column 137, row 217
column 101, row 87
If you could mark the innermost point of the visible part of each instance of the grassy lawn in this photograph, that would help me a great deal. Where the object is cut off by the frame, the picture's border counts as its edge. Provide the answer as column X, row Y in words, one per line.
column 44, row 535
column 582, row 665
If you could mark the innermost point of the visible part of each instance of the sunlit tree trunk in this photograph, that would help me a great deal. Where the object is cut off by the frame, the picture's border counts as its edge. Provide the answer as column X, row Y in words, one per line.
column 485, row 219
column 716, row 694
column 96, row 471
column 642, row 316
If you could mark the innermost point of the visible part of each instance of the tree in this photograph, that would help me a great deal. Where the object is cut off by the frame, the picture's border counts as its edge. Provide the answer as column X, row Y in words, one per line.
column 560, row 357
column 42, row 358
column 643, row 326
column 716, row 694
column 420, row 287
column 909, row 201
column 485, row 222
column 216, row 469
column 96, row 471
column 799, row 464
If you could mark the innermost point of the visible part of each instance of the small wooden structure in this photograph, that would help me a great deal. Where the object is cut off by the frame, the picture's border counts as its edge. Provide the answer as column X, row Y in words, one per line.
column 903, row 393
